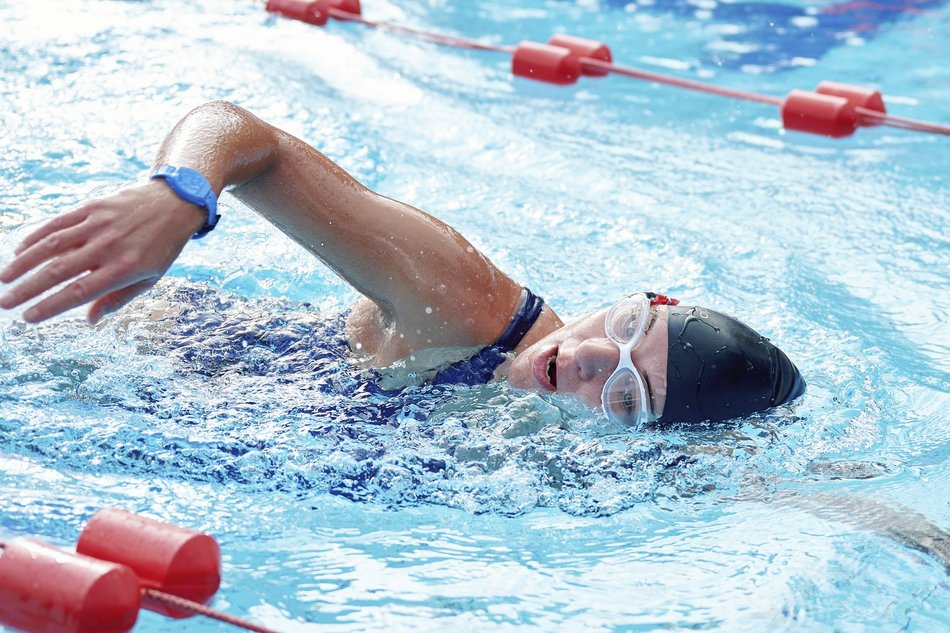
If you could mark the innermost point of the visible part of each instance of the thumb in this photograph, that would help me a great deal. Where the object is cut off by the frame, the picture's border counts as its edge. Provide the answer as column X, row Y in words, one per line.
column 116, row 299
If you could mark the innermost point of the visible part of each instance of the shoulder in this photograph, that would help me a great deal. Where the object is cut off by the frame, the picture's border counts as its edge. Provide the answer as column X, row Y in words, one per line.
column 381, row 340
column 367, row 328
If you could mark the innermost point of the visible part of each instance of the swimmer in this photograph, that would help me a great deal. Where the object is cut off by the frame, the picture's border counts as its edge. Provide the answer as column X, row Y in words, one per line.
column 646, row 359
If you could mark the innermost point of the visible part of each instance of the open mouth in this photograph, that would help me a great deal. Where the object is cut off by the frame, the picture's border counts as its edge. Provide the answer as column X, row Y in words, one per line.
column 545, row 369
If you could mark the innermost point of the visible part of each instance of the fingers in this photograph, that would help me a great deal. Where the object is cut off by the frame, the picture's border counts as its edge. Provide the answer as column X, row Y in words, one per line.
column 98, row 249
column 83, row 290
column 115, row 300
column 59, row 223
column 40, row 251
column 56, row 272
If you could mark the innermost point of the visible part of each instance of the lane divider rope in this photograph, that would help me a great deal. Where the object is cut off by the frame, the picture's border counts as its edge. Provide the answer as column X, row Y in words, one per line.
column 123, row 563
column 176, row 602
column 833, row 109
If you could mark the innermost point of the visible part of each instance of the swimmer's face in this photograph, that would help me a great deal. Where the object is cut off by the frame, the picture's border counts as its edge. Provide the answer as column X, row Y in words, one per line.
column 579, row 358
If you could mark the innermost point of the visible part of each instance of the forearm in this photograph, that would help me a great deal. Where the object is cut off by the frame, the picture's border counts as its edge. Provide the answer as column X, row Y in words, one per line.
column 380, row 246
column 418, row 270
column 374, row 243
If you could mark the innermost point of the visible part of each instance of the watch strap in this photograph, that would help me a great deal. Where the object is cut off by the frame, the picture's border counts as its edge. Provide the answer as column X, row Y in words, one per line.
column 190, row 185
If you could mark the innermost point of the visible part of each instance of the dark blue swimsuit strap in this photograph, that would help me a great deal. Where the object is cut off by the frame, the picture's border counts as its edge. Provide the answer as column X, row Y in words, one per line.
column 480, row 368
column 528, row 312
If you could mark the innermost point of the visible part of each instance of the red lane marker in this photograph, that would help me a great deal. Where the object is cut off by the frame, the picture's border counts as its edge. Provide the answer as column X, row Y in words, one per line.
column 163, row 556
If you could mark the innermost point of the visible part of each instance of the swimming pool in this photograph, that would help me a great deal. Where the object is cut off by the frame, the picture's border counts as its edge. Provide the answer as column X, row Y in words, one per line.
column 485, row 508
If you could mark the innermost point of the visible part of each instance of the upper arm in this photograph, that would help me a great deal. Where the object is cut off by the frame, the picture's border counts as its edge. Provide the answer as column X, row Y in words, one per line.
column 430, row 284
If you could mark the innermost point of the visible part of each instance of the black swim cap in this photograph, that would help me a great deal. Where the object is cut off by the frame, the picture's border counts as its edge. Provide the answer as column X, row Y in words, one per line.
column 720, row 368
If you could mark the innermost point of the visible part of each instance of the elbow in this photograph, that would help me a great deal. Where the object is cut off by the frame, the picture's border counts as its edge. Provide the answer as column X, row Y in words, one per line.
column 244, row 145
column 220, row 106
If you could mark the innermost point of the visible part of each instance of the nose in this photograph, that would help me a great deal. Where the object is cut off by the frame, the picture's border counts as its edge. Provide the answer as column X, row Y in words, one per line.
column 596, row 358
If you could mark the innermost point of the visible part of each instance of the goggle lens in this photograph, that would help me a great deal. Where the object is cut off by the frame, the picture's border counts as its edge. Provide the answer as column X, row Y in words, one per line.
column 627, row 320
column 625, row 398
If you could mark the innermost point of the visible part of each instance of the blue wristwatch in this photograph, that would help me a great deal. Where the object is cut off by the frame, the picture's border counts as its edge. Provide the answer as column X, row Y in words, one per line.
column 191, row 186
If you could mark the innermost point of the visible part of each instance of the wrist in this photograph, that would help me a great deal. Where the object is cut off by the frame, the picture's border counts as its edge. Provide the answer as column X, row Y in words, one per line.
column 191, row 186
column 186, row 217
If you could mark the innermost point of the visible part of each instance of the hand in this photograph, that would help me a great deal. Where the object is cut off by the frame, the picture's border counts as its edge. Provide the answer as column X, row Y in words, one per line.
column 110, row 250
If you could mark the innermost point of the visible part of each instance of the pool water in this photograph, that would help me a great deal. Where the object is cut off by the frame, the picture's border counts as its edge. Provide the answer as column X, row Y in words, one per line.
column 480, row 509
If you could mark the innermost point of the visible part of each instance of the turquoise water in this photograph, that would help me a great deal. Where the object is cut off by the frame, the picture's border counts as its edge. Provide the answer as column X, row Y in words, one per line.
column 487, row 508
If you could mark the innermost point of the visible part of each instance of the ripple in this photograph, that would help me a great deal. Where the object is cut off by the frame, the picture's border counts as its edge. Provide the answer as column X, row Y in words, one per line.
column 488, row 508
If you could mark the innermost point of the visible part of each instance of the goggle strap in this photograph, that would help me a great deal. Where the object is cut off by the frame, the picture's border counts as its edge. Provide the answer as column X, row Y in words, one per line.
column 658, row 299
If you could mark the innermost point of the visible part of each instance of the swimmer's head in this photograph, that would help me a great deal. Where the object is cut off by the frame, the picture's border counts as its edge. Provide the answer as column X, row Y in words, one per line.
column 696, row 364
column 719, row 368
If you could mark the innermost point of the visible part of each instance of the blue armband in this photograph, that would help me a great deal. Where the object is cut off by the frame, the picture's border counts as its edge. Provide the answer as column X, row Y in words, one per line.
column 192, row 187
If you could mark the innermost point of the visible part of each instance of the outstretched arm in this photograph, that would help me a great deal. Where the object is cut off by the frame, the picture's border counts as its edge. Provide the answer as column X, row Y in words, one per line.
column 429, row 283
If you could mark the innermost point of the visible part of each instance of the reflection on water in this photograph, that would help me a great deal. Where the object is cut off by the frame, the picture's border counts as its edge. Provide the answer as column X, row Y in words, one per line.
column 233, row 407
column 761, row 37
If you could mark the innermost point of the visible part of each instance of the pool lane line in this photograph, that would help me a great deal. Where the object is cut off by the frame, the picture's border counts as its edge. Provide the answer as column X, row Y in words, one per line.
column 836, row 112
column 670, row 80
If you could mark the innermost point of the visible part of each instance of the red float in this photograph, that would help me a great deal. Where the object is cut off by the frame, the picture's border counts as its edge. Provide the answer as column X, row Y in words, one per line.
column 543, row 62
column 309, row 11
column 581, row 47
column 314, row 11
column 166, row 557
column 44, row 589
column 815, row 113
column 858, row 97
column 349, row 6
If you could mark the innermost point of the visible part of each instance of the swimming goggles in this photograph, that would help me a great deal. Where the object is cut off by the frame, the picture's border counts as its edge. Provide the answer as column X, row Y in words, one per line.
column 625, row 397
